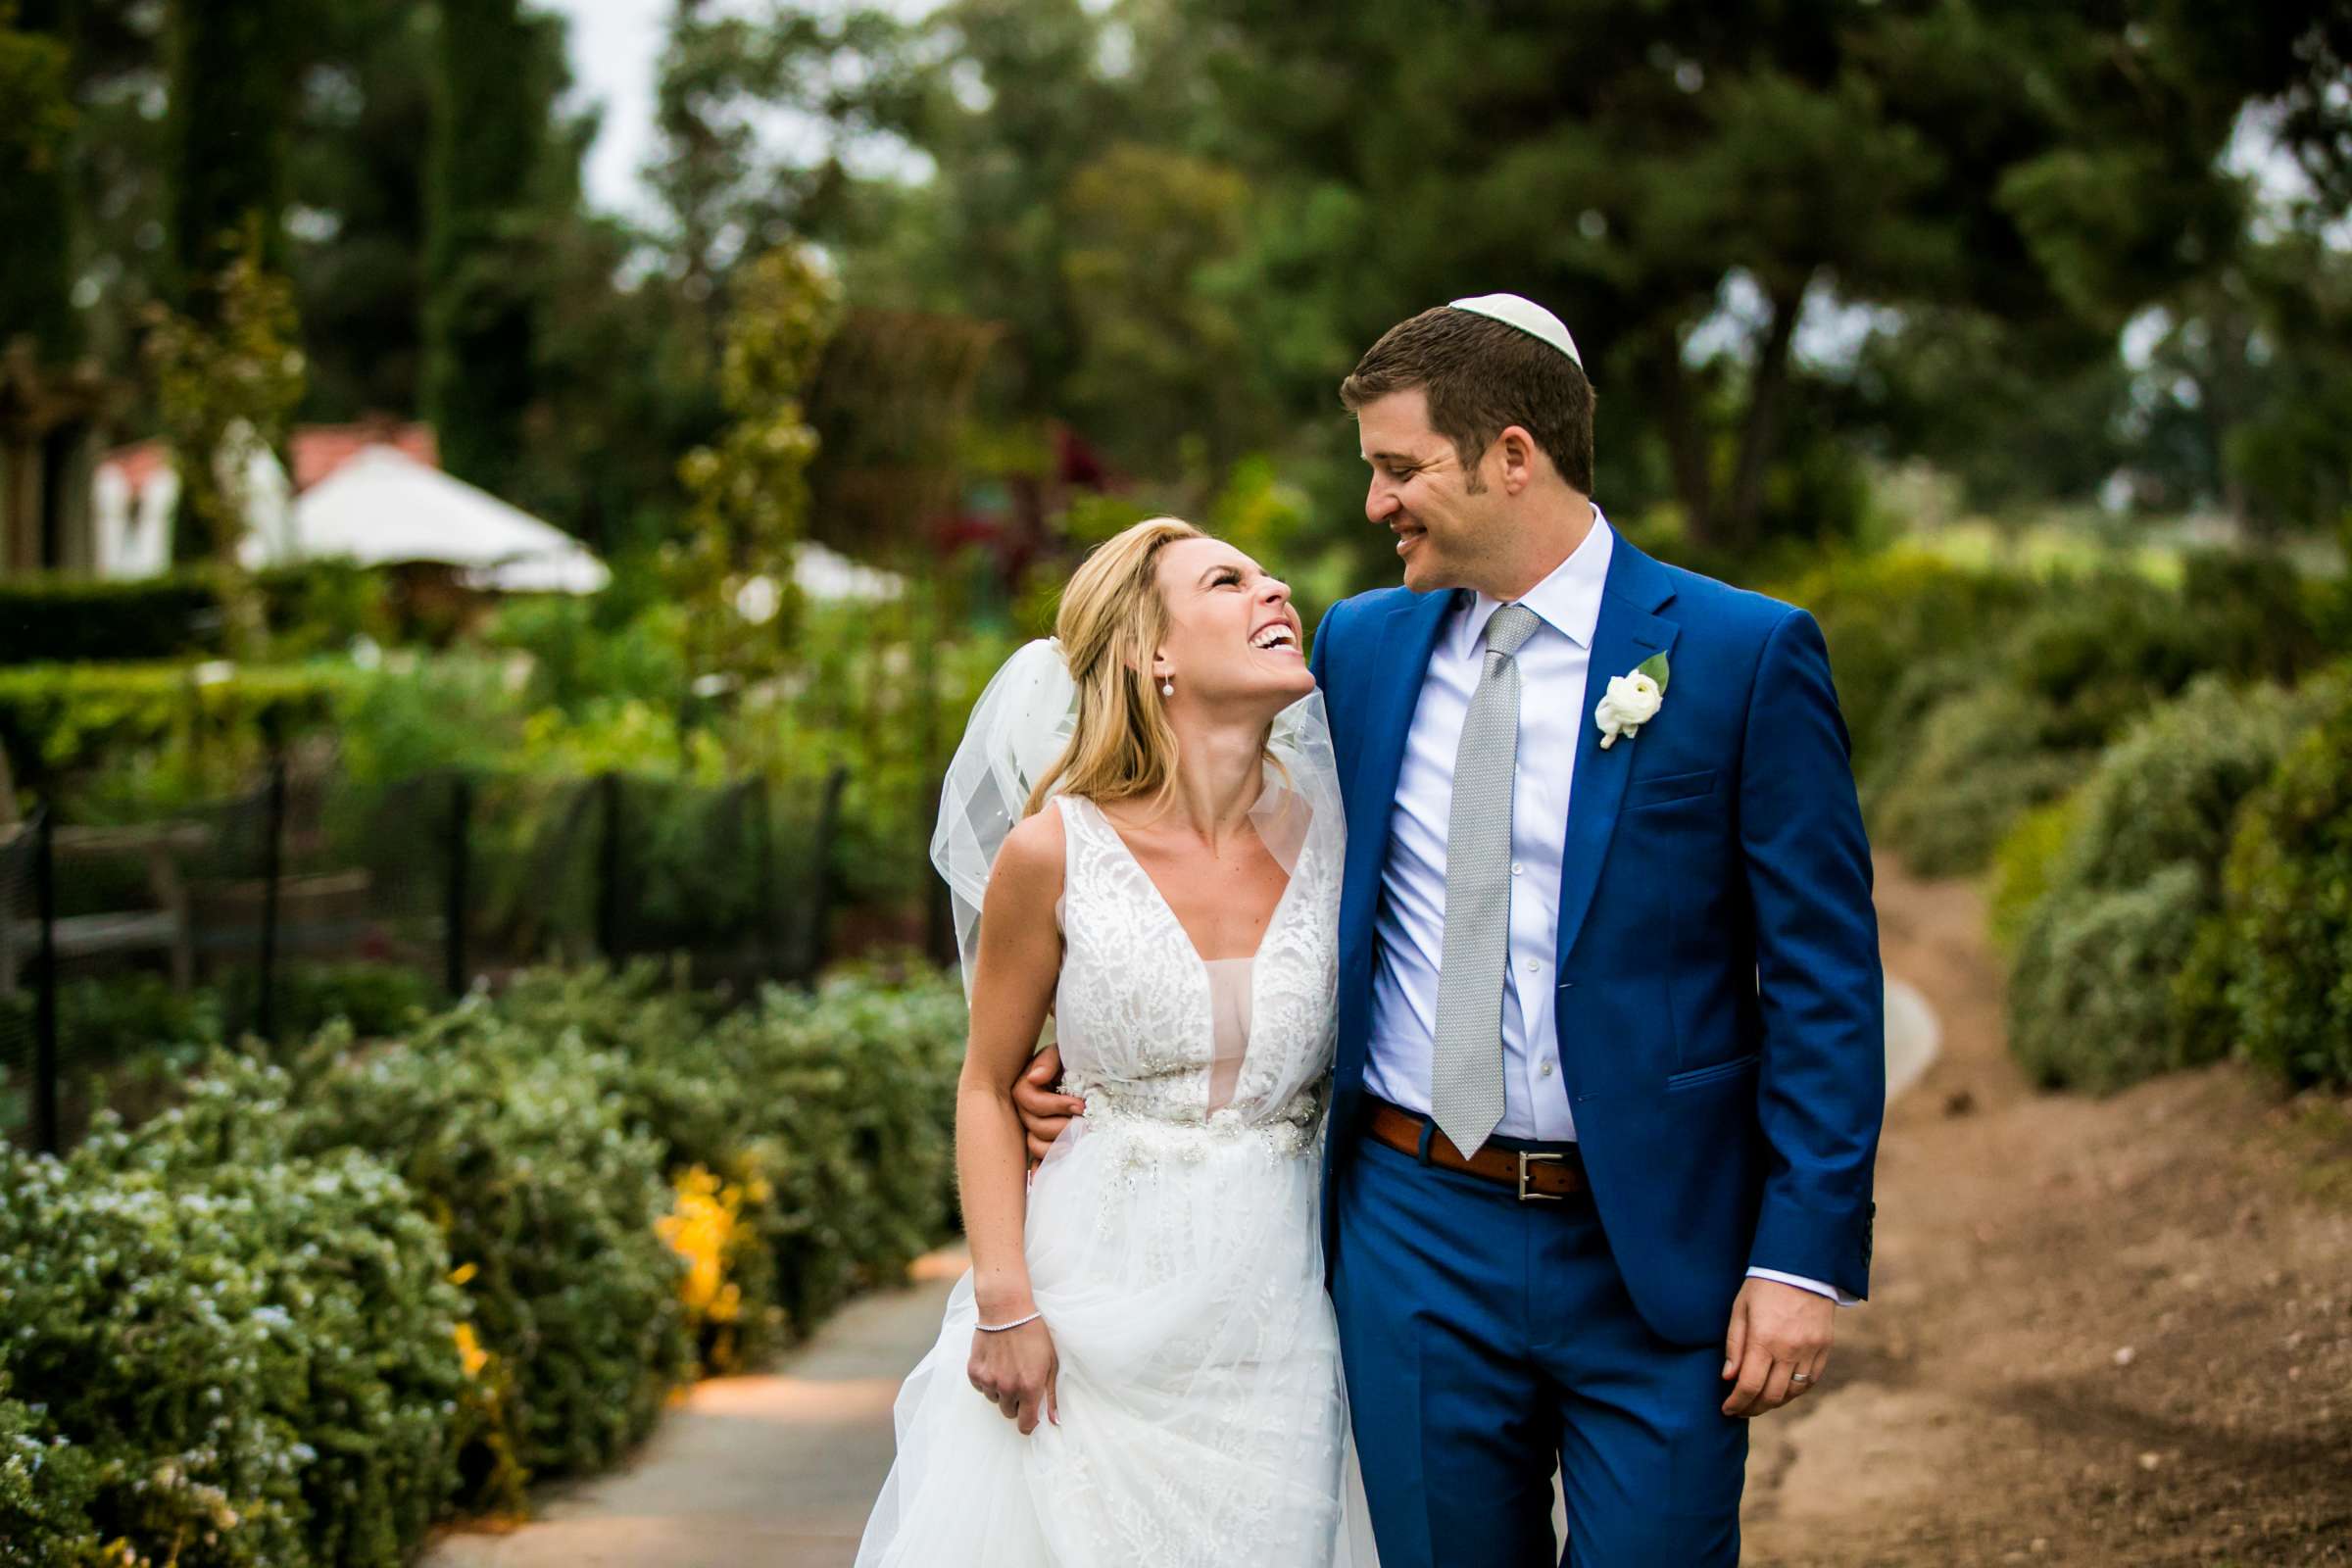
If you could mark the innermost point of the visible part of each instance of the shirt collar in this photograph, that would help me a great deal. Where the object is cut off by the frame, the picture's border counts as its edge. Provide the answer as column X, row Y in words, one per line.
column 1568, row 601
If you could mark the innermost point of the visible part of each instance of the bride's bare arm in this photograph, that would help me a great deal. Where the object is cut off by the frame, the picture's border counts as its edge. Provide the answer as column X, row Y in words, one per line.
column 1013, row 986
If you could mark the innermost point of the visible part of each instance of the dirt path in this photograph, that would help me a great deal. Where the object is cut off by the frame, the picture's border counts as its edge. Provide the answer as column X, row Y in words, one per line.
column 2102, row 1331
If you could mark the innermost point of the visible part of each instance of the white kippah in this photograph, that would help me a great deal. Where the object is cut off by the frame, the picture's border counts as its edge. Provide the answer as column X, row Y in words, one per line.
column 1525, row 314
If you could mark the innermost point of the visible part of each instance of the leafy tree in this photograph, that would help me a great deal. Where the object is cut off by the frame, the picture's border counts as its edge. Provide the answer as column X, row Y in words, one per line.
column 494, row 66
column 227, row 385
column 364, row 119
column 750, row 492
column 232, row 102
column 35, row 264
column 1687, row 183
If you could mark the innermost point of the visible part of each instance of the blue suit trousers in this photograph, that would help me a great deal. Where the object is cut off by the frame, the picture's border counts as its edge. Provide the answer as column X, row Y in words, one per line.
column 1488, row 1339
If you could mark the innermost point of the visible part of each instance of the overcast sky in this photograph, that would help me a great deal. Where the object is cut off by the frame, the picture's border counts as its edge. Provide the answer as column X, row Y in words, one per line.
column 615, row 45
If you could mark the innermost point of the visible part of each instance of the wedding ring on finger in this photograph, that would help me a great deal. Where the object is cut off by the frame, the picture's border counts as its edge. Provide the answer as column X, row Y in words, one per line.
column 1801, row 1379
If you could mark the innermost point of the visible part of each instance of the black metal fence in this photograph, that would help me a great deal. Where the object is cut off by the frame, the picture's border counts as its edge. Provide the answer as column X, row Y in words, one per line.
column 312, row 898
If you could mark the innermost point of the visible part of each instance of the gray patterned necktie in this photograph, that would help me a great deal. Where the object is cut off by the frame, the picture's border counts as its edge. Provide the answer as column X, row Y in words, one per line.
column 1465, row 1088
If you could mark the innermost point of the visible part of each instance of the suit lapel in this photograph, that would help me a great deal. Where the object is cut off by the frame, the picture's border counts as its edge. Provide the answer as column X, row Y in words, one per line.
column 1406, row 641
column 1627, row 633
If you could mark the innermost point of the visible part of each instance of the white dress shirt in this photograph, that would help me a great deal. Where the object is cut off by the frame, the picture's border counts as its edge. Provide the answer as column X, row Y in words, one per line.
column 1411, row 919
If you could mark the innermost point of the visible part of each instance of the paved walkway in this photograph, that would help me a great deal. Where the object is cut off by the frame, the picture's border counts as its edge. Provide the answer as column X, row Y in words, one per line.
column 775, row 1471
column 778, row 1471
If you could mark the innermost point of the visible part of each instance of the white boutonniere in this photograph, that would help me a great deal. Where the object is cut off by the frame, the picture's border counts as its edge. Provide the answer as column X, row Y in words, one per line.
column 1632, row 699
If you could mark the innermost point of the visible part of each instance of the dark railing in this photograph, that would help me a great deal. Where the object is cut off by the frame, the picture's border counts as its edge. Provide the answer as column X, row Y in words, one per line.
column 314, row 896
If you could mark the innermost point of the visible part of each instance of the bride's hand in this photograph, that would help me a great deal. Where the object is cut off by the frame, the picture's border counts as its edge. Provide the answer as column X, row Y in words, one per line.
column 1017, row 1368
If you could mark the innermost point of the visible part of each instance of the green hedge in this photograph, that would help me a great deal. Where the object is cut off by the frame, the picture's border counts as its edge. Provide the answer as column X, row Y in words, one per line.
column 511, row 1145
column 253, row 1349
column 183, row 730
column 2280, row 958
column 1886, row 616
column 46, row 1488
column 331, row 1300
column 2108, row 898
column 314, row 607
column 2133, row 875
column 1976, row 698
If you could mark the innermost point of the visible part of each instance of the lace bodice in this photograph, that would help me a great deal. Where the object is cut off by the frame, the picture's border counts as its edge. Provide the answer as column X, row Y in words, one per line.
column 1138, row 1012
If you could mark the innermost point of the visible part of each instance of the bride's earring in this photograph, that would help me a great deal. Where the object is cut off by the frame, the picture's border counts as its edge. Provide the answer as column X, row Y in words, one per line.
column 1167, row 687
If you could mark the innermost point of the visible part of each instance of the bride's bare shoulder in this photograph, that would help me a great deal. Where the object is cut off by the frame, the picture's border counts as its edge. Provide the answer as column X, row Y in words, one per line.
column 1029, row 863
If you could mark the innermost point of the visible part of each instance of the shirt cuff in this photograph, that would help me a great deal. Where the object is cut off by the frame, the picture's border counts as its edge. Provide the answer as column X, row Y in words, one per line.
column 1817, row 1286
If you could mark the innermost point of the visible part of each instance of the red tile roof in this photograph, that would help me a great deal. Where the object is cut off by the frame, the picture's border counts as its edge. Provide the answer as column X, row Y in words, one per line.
column 318, row 449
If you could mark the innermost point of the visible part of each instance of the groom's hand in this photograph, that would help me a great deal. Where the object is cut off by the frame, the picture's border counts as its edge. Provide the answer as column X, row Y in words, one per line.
column 1045, row 1110
column 1779, row 1332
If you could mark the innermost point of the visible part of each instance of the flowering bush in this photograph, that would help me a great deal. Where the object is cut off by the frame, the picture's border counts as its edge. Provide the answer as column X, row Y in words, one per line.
column 548, row 1204
column 824, row 1117
column 45, row 1490
column 235, row 1335
column 251, row 1352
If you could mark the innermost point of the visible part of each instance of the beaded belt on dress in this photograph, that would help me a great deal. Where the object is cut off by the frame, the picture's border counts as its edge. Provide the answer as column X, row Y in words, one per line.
column 1290, row 1133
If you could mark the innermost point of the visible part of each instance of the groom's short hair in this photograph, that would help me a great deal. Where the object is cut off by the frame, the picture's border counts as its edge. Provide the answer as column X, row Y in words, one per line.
column 1481, row 376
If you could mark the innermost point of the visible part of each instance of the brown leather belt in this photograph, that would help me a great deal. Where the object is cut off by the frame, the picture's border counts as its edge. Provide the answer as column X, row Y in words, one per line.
column 1532, row 1174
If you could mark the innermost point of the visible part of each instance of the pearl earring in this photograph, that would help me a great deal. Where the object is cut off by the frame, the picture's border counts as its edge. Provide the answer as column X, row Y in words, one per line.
column 1167, row 688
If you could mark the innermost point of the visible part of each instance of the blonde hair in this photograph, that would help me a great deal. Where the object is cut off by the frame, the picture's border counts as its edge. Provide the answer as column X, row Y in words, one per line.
column 1112, row 619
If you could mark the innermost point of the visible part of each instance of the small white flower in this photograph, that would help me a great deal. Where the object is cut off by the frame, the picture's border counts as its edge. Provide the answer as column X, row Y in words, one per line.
column 1630, row 702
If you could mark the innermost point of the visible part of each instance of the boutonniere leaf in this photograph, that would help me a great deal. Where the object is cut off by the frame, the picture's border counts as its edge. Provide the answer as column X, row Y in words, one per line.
column 1654, row 666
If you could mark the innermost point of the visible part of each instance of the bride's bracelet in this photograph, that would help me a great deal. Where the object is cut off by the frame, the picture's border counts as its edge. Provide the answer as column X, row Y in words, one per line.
column 999, row 1328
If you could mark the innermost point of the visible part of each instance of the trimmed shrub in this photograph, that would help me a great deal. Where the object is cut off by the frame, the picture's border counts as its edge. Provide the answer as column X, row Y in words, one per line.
column 2286, row 946
column 2022, row 865
column 177, row 731
column 1978, row 763
column 316, row 605
column 1970, row 742
column 46, row 1485
column 1885, row 616
column 2135, row 873
column 57, row 620
column 820, row 1124
column 549, row 1205
column 2089, row 999
column 674, row 1077
column 100, row 1022
column 234, row 1335
column 256, row 1350
column 897, row 1051
column 375, row 1000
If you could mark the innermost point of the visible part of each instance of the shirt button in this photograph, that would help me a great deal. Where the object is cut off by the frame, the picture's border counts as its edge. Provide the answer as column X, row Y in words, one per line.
column 1532, row 965
column 1516, row 868
column 1543, row 1071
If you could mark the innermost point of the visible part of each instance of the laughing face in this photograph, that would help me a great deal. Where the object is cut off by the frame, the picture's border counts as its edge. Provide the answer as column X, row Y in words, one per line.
column 1421, row 492
column 1233, row 637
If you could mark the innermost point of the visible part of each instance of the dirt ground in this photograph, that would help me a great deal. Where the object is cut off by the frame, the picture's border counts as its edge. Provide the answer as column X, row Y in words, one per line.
column 2102, row 1331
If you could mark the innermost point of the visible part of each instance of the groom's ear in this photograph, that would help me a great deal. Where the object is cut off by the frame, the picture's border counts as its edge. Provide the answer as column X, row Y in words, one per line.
column 1520, row 457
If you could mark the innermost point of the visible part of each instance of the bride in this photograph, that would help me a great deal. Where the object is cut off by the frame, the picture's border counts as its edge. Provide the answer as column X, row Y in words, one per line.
column 1143, row 832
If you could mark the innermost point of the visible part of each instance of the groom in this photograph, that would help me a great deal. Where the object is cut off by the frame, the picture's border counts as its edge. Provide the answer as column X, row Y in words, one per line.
column 1610, row 1064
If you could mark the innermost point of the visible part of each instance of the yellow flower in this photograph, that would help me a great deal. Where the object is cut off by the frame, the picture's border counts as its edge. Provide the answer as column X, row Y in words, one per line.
column 470, row 1350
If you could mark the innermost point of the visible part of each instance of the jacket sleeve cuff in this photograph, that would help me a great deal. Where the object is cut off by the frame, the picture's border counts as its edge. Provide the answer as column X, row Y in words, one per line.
column 1804, row 1243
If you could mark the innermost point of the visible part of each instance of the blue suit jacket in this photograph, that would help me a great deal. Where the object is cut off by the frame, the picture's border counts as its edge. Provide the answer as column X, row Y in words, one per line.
column 1721, row 1009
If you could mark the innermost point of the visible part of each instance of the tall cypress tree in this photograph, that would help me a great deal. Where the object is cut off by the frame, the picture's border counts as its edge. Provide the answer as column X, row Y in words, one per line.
column 36, row 261
column 233, row 97
column 488, row 136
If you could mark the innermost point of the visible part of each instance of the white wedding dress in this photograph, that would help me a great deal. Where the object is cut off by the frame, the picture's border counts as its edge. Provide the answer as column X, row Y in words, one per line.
column 1173, row 1249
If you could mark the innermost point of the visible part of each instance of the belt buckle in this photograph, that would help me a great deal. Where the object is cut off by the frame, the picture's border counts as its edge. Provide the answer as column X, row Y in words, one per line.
column 1526, row 1197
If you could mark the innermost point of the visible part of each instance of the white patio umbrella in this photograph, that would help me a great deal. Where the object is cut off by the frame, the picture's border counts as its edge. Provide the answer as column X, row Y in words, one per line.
column 383, row 507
